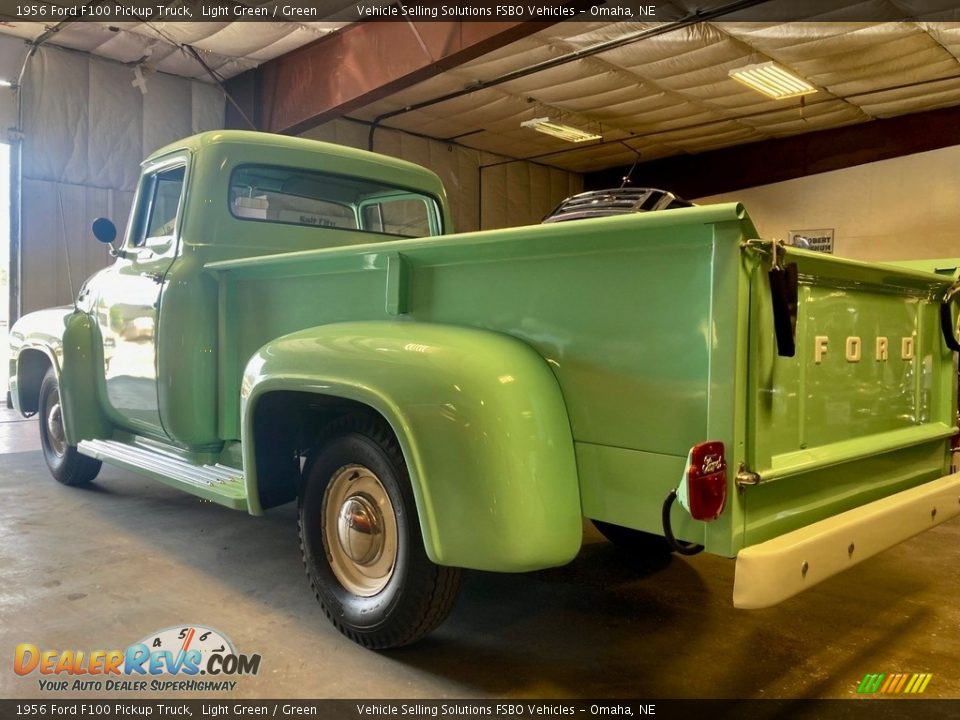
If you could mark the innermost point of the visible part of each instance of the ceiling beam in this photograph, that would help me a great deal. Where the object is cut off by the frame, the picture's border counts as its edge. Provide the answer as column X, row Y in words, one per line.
column 359, row 65
column 770, row 161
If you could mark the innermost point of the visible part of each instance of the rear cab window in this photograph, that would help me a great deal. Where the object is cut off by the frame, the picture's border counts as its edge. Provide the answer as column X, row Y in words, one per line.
column 295, row 196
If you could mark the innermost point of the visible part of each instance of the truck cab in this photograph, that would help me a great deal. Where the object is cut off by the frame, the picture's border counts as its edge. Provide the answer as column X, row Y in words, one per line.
column 161, row 380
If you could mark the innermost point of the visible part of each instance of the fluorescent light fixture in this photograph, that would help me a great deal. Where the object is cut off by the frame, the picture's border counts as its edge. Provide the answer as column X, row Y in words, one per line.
column 6, row 83
column 772, row 80
column 564, row 132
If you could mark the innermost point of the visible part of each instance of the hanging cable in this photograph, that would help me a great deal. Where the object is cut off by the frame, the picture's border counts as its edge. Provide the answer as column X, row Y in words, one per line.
column 627, row 179
column 214, row 75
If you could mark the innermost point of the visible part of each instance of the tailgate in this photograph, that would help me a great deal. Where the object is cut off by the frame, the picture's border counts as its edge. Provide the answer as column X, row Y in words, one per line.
column 866, row 406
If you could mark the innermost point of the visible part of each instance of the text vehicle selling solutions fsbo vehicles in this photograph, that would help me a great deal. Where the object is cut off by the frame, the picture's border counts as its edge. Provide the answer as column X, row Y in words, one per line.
column 288, row 320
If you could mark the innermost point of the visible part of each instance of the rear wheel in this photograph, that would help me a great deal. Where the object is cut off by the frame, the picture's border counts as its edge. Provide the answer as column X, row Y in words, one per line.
column 66, row 464
column 361, row 543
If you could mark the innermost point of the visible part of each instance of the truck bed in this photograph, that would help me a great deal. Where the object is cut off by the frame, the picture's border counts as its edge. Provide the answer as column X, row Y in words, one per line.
column 659, row 330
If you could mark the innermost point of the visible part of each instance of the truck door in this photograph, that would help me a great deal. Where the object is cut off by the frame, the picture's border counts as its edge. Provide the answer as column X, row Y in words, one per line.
column 129, row 297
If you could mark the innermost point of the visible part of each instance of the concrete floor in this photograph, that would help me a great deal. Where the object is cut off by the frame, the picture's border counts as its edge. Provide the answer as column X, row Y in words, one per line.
column 102, row 567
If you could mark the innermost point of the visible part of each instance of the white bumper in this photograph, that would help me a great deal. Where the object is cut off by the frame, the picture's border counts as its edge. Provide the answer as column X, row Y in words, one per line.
column 780, row 568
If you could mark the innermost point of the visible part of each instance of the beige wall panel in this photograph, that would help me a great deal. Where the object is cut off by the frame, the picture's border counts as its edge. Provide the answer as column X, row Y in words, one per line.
column 465, row 186
column 116, row 127
column 160, row 125
column 52, row 213
column 86, row 129
column 8, row 111
column 41, row 260
column 493, row 197
column 56, row 127
column 517, row 194
column 207, row 107
column 896, row 209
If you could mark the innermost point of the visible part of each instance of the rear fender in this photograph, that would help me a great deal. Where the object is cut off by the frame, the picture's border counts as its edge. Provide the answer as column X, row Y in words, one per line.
column 480, row 419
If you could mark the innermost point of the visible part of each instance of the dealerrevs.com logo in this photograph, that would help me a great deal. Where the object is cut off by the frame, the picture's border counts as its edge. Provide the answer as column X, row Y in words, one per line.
column 172, row 659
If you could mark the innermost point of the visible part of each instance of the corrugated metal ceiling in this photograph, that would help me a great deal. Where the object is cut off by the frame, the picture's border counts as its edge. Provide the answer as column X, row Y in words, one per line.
column 671, row 94
column 228, row 47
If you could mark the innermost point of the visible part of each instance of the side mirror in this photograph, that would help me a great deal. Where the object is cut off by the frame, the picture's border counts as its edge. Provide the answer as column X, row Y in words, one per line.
column 104, row 230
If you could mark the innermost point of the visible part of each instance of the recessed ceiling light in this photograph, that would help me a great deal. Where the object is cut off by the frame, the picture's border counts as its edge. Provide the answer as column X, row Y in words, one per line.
column 564, row 132
column 772, row 80
column 6, row 83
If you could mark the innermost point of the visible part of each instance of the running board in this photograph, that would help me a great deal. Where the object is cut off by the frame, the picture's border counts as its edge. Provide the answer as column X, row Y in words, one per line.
column 217, row 483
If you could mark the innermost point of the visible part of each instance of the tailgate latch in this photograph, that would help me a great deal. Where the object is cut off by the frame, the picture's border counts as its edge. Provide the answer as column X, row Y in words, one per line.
column 746, row 478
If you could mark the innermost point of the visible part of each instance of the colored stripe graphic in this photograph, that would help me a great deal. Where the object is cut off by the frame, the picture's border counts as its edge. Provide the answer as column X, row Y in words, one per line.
column 898, row 685
column 918, row 683
column 870, row 683
column 894, row 683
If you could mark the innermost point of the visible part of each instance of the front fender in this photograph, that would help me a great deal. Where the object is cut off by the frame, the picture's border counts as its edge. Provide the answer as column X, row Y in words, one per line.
column 70, row 341
column 481, row 422
column 35, row 334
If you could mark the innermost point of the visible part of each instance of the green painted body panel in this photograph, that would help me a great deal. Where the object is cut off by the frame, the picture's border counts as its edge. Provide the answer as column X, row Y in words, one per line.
column 81, row 381
column 481, row 422
column 941, row 266
column 630, row 339
column 636, row 366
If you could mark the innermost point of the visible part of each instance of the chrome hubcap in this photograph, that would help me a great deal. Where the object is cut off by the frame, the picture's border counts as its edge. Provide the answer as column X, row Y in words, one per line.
column 55, row 427
column 359, row 530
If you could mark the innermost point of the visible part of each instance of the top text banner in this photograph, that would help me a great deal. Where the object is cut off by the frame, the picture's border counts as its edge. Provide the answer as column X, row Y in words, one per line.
column 55, row 11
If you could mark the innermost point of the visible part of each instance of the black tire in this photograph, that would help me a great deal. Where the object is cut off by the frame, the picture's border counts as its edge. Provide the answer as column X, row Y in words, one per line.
column 66, row 464
column 639, row 544
column 408, row 595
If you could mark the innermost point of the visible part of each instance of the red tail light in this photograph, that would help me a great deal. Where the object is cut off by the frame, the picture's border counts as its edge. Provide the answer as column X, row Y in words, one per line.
column 707, row 481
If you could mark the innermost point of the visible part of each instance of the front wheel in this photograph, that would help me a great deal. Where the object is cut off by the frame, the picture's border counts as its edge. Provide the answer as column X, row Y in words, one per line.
column 66, row 464
column 361, row 542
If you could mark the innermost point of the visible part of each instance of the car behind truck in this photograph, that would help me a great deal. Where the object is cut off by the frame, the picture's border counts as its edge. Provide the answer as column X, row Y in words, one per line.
column 288, row 320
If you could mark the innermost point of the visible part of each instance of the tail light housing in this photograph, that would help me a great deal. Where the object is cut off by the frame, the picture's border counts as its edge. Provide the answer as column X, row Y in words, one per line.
column 703, row 492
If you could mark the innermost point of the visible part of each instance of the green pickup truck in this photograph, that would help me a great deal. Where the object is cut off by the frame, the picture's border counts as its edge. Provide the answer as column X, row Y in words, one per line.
column 289, row 320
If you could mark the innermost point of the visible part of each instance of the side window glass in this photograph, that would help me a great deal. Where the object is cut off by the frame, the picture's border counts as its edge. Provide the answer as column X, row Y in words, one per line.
column 159, row 205
column 405, row 217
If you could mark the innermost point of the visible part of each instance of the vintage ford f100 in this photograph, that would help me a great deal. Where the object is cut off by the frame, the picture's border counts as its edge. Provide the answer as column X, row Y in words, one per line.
column 287, row 320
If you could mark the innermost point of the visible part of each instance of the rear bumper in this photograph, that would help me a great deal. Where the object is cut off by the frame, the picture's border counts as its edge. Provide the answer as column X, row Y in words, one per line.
column 780, row 568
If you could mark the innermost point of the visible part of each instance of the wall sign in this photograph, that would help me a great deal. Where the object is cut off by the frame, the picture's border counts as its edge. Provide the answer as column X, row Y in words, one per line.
column 820, row 240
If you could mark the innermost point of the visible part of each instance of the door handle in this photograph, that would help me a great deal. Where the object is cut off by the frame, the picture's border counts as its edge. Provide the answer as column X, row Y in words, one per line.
column 157, row 277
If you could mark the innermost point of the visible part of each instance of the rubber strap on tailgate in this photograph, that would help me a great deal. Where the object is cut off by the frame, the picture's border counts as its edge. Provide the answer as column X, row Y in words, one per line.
column 783, row 291
column 947, row 324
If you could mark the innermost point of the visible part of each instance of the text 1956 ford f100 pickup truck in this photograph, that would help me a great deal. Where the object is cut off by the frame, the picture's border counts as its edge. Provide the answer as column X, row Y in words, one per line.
column 287, row 320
